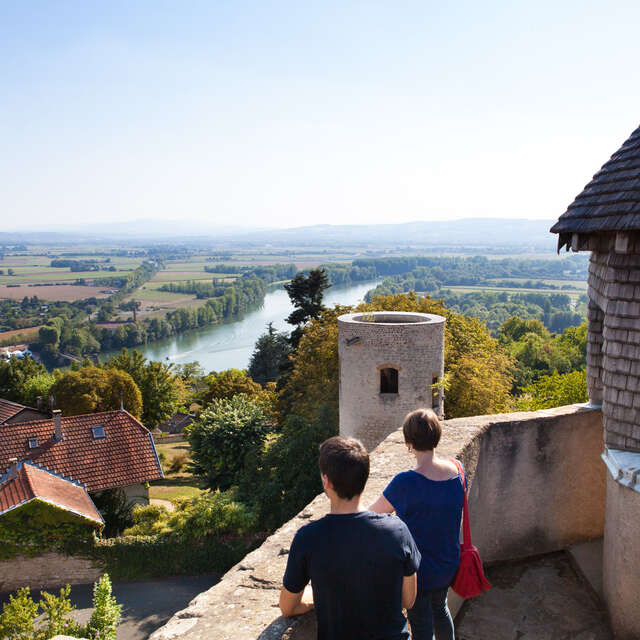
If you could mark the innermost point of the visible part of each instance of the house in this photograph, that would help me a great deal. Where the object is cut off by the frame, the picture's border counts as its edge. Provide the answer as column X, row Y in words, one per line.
column 12, row 412
column 177, row 422
column 26, row 484
column 102, row 451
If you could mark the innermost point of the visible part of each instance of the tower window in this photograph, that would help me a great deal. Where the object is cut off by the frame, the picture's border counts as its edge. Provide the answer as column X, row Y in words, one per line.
column 388, row 380
column 435, row 393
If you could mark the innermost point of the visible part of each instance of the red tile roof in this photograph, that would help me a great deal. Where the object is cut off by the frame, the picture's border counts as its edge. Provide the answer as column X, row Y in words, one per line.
column 33, row 483
column 9, row 409
column 14, row 412
column 126, row 456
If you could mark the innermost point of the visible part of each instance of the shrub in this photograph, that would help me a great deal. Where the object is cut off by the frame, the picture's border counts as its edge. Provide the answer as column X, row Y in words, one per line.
column 115, row 509
column 18, row 618
column 106, row 612
column 178, row 463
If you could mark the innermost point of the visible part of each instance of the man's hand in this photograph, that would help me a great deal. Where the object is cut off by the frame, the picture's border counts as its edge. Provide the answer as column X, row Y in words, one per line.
column 295, row 604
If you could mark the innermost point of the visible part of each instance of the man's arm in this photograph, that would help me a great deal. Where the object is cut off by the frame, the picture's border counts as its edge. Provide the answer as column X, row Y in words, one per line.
column 409, row 590
column 295, row 604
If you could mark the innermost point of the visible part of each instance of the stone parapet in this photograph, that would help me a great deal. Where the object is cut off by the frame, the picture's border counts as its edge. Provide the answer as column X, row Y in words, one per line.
column 537, row 485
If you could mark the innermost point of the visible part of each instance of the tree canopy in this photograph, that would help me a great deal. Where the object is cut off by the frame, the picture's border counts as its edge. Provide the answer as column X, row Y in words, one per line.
column 94, row 389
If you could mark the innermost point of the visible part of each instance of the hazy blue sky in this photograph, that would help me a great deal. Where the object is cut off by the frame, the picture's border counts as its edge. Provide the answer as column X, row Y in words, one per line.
column 291, row 113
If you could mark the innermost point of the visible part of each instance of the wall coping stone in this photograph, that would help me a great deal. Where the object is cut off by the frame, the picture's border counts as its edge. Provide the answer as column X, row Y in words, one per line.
column 624, row 467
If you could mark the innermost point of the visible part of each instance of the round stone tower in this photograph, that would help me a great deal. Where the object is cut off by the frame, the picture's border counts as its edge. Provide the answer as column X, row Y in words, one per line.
column 391, row 362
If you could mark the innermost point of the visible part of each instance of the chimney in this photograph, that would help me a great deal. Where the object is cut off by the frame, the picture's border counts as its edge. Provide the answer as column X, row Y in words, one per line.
column 57, row 423
column 40, row 401
column 13, row 468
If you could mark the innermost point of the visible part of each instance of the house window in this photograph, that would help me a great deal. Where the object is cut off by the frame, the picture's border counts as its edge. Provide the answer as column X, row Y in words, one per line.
column 98, row 433
column 33, row 443
column 388, row 380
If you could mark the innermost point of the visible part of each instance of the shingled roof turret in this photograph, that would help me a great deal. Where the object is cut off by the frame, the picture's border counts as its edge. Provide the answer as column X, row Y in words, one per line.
column 611, row 201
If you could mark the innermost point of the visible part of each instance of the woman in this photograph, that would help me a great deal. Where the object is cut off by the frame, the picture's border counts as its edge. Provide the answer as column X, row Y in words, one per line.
column 429, row 500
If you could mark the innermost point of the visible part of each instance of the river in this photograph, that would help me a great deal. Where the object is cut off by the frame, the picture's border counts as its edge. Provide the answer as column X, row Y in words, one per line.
column 223, row 346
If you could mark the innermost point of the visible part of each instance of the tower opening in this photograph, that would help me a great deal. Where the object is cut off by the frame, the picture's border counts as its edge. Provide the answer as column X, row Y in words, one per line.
column 388, row 380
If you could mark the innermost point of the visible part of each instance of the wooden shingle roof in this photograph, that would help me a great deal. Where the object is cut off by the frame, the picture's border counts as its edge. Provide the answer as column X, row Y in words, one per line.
column 33, row 483
column 124, row 457
column 611, row 201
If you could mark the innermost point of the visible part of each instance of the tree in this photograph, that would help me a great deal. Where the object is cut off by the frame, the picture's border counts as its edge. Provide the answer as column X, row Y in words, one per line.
column 555, row 390
column 222, row 436
column 269, row 356
column 132, row 305
column 227, row 384
column 162, row 390
column 281, row 477
column 314, row 377
column 93, row 389
column 14, row 376
column 305, row 293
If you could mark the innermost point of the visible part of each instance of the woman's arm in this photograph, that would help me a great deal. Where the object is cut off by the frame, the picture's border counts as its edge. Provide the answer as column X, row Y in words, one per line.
column 382, row 505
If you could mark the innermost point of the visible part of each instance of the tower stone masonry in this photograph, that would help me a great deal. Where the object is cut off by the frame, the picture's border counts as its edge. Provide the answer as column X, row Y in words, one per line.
column 390, row 364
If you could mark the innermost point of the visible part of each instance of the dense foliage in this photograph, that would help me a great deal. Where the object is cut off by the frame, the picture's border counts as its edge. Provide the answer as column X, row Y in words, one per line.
column 37, row 526
column 209, row 514
column 93, row 389
column 19, row 618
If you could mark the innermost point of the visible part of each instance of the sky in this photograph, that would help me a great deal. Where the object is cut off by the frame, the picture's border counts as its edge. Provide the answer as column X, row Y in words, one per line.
column 279, row 114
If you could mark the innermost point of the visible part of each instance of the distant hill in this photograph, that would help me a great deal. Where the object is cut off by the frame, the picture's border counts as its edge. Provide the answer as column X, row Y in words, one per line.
column 471, row 233
column 478, row 232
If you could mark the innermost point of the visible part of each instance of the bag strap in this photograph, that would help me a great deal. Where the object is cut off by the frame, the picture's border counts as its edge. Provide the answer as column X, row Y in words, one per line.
column 466, row 525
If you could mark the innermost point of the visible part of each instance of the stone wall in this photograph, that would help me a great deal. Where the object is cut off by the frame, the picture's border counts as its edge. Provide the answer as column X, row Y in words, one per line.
column 537, row 485
column 621, row 578
column 613, row 352
column 412, row 343
column 47, row 571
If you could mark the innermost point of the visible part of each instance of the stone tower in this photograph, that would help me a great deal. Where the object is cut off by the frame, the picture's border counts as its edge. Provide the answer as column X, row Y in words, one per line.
column 390, row 364
column 605, row 220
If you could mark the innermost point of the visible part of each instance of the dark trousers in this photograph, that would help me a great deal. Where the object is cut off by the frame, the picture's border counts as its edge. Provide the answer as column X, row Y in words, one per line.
column 430, row 613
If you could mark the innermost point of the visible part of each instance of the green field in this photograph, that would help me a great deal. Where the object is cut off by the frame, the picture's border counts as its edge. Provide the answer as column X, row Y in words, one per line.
column 175, row 485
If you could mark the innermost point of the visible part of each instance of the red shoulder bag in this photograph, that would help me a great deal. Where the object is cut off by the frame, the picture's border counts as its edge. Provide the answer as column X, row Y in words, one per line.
column 469, row 580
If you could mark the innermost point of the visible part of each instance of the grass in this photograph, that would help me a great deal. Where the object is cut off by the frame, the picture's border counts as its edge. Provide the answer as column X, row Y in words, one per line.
column 175, row 485
column 19, row 336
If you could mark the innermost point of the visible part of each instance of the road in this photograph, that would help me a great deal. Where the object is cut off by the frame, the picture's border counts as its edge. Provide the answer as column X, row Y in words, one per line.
column 147, row 605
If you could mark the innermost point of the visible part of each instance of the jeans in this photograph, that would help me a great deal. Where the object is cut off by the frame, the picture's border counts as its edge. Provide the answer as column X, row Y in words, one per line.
column 430, row 612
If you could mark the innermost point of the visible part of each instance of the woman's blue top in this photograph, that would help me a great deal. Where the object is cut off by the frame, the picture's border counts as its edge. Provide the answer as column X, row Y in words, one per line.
column 432, row 510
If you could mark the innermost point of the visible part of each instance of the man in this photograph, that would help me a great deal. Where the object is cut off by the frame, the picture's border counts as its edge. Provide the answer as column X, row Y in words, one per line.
column 362, row 565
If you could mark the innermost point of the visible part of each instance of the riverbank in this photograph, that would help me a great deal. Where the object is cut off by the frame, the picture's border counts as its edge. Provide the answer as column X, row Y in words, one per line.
column 230, row 344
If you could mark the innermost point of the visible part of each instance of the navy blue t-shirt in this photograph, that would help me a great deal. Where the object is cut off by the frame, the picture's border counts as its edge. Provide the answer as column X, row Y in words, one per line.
column 432, row 510
column 356, row 563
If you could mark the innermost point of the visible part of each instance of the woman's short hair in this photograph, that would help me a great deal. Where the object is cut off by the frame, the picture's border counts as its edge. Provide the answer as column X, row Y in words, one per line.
column 345, row 462
column 422, row 429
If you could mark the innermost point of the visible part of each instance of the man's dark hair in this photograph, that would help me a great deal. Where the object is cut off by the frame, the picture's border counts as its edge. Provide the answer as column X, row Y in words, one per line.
column 422, row 429
column 345, row 462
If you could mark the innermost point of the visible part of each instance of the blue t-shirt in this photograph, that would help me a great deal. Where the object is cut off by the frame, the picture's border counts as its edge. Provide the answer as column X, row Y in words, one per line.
column 356, row 563
column 432, row 510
